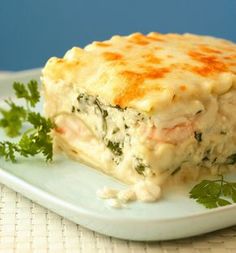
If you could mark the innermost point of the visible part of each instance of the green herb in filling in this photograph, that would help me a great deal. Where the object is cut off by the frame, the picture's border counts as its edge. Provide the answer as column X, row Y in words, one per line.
column 231, row 159
column 104, row 114
column 89, row 100
column 198, row 136
column 223, row 132
column 140, row 166
column 176, row 171
column 115, row 148
column 116, row 130
column 206, row 155
column 80, row 97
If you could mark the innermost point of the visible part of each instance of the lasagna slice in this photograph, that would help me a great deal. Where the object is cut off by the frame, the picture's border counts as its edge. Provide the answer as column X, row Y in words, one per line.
column 146, row 107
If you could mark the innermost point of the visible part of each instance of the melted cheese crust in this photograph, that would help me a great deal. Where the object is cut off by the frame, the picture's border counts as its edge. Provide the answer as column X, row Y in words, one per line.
column 148, row 72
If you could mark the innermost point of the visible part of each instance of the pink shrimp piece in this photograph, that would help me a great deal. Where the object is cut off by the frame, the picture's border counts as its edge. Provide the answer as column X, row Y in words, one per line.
column 172, row 135
column 60, row 130
column 72, row 128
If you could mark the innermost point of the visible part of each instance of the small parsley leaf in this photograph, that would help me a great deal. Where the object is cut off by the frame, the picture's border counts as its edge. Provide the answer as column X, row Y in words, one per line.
column 223, row 202
column 227, row 190
column 234, row 195
column 30, row 92
column 12, row 119
column 7, row 150
column 214, row 193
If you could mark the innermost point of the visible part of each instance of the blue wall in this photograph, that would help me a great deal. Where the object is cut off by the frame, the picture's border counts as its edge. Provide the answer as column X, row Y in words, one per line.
column 33, row 30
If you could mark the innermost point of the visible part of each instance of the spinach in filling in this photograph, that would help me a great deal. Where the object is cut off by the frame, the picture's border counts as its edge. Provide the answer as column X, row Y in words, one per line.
column 140, row 166
column 115, row 148
column 231, row 159
column 198, row 136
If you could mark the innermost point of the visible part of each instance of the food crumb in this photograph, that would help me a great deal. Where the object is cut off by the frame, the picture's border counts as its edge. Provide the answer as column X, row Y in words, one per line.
column 145, row 191
column 126, row 195
column 115, row 203
column 107, row 193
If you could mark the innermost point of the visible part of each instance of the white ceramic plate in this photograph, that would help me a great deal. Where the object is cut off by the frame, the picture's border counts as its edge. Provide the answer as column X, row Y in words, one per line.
column 69, row 189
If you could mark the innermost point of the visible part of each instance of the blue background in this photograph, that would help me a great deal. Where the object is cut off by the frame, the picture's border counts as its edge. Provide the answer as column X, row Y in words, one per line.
column 32, row 31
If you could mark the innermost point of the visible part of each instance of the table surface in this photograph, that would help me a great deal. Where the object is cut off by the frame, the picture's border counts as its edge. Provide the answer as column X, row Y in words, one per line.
column 26, row 227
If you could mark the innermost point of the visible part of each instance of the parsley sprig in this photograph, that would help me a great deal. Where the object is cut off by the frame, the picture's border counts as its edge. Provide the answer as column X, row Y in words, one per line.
column 214, row 193
column 34, row 140
column 13, row 118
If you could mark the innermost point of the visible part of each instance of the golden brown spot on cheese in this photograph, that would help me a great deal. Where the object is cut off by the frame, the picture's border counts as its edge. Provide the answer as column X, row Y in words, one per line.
column 230, row 57
column 133, row 81
column 154, row 73
column 102, row 44
column 183, row 87
column 150, row 58
column 59, row 60
column 155, row 38
column 207, row 49
column 131, row 76
column 139, row 39
column 211, row 64
column 69, row 64
column 111, row 56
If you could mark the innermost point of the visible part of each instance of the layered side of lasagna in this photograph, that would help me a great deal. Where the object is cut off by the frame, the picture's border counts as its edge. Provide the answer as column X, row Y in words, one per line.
column 146, row 107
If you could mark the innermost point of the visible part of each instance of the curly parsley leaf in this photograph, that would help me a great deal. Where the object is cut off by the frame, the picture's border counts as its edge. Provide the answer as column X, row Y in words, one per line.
column 29, row 92
column 8, row 150
column 12, row 119
column 214, row 193
column 36, row 139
